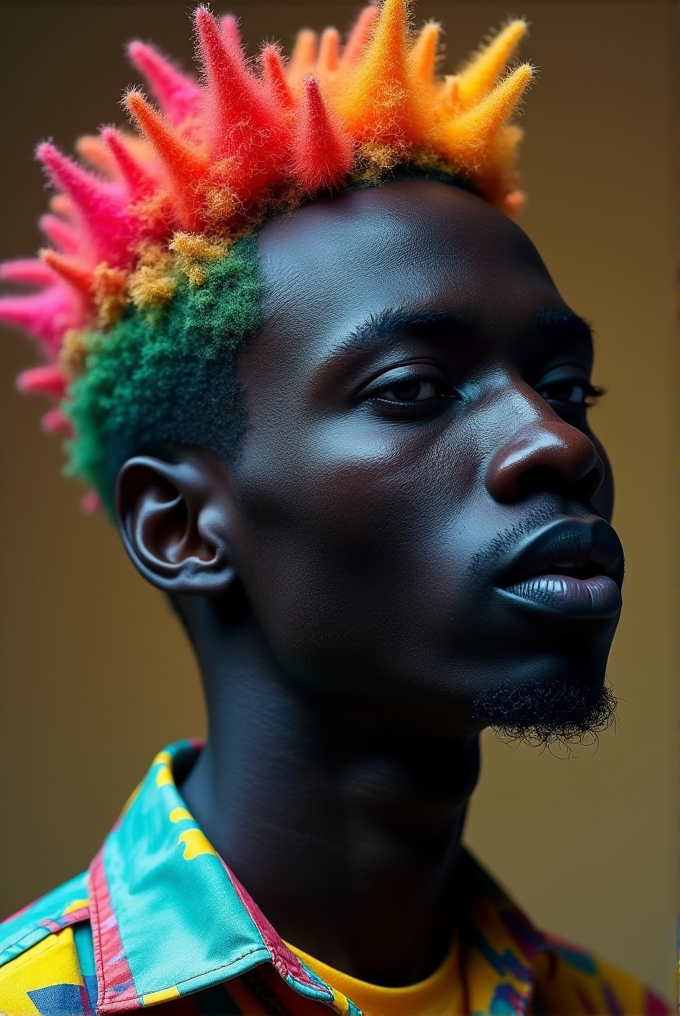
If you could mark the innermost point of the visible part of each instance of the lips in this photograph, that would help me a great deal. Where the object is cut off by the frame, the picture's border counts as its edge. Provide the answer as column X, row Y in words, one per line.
column 573, row 567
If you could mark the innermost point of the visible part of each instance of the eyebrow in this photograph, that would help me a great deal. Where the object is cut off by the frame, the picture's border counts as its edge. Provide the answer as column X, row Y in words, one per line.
column 402, row 319
column 397, row 320
column 566, row 322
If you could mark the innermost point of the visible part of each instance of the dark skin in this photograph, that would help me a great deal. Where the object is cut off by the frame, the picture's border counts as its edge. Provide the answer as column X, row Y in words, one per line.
column 416, row 397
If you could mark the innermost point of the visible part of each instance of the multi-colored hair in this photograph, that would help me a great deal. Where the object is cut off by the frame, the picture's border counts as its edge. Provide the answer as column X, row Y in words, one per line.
column 150, row 284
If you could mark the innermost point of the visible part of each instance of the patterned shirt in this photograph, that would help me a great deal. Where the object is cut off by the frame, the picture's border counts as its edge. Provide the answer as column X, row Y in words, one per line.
column 160, row 920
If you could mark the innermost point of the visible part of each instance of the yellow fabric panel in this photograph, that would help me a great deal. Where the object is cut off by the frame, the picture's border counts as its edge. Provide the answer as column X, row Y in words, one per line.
column 52, row 961
column 561, row 987
column 154, row 997
column 440, row 994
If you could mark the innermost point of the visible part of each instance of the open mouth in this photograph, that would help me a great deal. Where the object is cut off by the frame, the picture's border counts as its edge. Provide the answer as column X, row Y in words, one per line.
column 573, row 567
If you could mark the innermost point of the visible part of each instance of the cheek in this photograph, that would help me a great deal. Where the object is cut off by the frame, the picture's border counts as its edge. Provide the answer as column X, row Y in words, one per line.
column 347, row 537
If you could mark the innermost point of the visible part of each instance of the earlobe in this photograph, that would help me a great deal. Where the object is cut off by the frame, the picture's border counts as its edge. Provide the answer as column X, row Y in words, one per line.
column 173, row 518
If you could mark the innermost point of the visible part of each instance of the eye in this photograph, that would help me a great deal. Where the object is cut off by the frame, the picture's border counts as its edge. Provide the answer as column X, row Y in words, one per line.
column 413, row 390
column 572, row 392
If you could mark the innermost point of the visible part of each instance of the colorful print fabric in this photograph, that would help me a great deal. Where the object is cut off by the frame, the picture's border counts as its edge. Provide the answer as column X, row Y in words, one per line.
column 160, row 920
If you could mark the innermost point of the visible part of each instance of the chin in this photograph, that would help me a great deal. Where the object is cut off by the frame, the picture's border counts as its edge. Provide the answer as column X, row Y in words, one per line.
column 558, row 700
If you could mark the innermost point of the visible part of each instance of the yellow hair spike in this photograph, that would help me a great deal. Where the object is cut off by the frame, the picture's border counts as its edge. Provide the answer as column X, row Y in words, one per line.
column 423, row 55
column 468, row 138
column 480, row 75
column 449, row 101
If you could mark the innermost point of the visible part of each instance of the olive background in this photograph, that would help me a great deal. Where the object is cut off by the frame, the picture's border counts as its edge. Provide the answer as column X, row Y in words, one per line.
column 95, row 672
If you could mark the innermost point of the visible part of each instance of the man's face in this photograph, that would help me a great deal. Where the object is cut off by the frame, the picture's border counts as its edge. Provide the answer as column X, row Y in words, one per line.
column 418, row 460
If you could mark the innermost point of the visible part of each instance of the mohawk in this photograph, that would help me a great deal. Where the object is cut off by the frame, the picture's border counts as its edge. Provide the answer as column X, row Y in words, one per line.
column 248, row 138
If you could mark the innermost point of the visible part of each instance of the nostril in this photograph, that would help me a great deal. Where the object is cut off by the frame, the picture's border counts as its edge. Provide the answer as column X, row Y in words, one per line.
column 539, row 478
column 589, row 484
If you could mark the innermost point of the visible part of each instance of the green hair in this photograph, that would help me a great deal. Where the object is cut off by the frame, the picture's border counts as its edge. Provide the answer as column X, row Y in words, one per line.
column 168, row 376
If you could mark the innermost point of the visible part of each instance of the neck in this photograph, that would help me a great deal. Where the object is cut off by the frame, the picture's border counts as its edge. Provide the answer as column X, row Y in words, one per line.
column 344, row 827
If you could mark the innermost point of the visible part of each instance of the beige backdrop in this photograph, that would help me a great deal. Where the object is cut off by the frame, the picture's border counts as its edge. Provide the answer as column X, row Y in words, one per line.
column 95, row 672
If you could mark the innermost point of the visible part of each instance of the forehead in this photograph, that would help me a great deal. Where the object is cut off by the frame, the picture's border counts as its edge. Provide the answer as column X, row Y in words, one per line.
column 415, row 243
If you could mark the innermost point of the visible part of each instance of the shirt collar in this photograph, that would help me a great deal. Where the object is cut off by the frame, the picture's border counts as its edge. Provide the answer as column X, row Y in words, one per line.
column 157, row 880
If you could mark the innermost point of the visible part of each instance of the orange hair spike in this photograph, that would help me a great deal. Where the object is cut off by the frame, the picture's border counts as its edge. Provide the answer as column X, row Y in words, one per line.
column 470, row 136
column 303, row 58
column 184, row 166
column 423, row 55
column 449, row 94
column 90, row 148
column 379, row 104
column 329, row 52
column 481, row 73
column 71, row 270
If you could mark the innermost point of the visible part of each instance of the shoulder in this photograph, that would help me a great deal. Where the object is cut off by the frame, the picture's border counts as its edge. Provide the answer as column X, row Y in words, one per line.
column 571, row 979
column 46, row 957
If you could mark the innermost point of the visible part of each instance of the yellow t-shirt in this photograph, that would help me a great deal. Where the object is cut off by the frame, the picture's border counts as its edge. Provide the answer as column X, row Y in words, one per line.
column 440, row 994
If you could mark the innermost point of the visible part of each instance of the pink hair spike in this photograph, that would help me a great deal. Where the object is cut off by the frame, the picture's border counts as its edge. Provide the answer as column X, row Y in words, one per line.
column 90, row 503
column 102, row 205
column 177, row 94
column 60, row 234
column 29, row 271
column 136, row 176
column 47, row 380
column 46, row 316
column 230, row 31
column 54, row 421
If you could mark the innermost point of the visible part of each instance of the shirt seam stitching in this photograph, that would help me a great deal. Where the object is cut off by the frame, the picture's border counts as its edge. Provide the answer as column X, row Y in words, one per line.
column 48, row 932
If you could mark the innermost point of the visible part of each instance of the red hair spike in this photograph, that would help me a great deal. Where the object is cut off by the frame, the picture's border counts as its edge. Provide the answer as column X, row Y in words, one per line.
column 274, row 76
column 323, row 152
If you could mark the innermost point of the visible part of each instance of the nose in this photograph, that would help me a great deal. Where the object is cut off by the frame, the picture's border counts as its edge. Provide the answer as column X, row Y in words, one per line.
column 546, row 455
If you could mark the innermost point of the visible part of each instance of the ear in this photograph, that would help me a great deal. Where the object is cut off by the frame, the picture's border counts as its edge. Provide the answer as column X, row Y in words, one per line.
column 174, row 518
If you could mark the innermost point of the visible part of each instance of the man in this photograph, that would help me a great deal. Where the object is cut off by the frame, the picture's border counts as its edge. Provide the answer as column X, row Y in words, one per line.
column 339, row 411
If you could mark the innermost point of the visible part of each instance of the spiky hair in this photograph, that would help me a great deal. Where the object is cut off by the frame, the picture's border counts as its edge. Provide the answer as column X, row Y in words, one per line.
column 148, row 224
